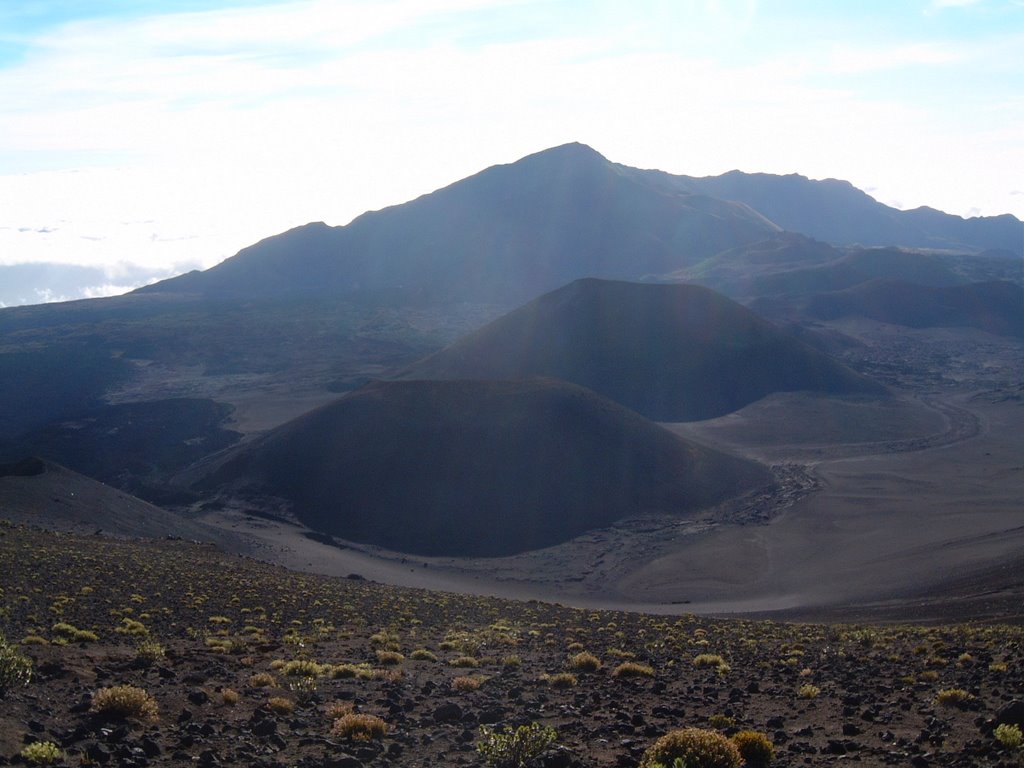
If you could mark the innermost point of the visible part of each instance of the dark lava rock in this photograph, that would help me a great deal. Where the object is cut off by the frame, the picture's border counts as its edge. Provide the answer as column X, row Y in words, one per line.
column 1011, row 714
column 342, row 761
column 449, row 712
column 198, row 696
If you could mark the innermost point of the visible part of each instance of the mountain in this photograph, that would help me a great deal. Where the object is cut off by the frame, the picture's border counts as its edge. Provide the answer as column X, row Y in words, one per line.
column 837, row 212
column 504, row 235
column 996, row 307
column 789, row 263
column 669, row 352
column 473, row 468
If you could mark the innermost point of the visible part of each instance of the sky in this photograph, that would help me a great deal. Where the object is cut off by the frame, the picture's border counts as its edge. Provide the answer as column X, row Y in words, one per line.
column 142, row 138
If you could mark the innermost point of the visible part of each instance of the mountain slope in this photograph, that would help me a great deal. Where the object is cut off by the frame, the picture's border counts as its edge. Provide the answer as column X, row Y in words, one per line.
column 996, row 307
column 670, row 352
column 837, row 212
column 504, row 235
column 473, row 468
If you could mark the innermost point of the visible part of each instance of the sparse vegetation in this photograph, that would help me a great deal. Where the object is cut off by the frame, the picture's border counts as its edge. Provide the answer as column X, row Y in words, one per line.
column 696, row 748
column 633, row 669
column 125, row 701
column 954, row 697
column 755, row 748
column 42, row 753
column 1009, row 735
column 584, row 662
column 15, row 667
column 515, row 747
column 359, row 727
column 893, row 671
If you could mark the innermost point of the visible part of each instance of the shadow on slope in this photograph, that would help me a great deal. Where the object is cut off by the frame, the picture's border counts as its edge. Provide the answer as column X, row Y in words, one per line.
column 670, row 352
column 995, row 307
column 474, row 468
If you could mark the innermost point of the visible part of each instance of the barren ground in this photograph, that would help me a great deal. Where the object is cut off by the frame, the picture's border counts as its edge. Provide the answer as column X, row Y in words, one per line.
column 884, row 509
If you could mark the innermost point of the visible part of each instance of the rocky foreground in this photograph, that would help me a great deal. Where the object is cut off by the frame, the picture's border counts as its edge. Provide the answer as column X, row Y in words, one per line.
column 170, row 653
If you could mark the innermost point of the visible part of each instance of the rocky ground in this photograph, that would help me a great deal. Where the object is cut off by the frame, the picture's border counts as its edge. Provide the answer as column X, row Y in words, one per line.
column 249, row 664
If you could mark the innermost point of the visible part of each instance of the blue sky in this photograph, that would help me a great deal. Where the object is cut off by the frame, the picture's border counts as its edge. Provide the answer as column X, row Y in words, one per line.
column 172, row 134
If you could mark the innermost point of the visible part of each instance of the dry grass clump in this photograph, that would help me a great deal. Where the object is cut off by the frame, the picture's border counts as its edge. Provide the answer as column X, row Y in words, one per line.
column 338, row 709
column 300, row 668
column 422, row 654
column 755, row 748
column 359, row 727
column 464, row 661
column 262, row 680
column 808, row 691
column 953, row 697
column 280, row 705
column 389, row 658
column 349, row 671
column 584, row 662
column 229, row 697
column 633, row 669
column 125, row 701
column 467, row 683
column 695, row 747
column 560, row 680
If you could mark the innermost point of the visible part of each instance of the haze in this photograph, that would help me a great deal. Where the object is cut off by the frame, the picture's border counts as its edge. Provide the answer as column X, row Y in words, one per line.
column 149, row 138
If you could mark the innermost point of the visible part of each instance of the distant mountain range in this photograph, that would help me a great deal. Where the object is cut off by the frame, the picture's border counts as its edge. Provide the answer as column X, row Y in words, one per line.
column 514, row 231
column 670, row 352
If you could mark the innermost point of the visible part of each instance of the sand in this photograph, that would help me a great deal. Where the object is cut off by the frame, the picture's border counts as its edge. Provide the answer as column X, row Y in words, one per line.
column 879, row 531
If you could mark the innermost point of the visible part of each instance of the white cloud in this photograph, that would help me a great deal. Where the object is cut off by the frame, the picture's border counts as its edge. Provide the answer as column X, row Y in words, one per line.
column 196, row 134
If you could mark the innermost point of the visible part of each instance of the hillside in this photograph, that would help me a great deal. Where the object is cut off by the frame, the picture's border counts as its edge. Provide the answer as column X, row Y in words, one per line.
column 996, row 307
column 670, row 352
column 504, row 235
column 473, row 468
column 45, row 494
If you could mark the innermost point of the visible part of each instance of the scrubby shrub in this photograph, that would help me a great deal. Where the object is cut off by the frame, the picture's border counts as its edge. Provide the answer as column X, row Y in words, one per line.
column 124, row 701
column 721, row 722
column 229, row 697
column 42, row 753
column 514, row 747
column 633, row 669
column 464, row 661
column 695, row 747
column 150, row 651
column 1009, row 735
column 584, row 662
column 809, row 691
column 755, row 748
column 389, row 658
column 15, row 668
column 359, row 727
column 422, row 654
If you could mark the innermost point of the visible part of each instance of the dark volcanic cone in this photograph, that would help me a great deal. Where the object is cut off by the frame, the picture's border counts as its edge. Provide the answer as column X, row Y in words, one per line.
column 475, row 468
column 670, row 352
